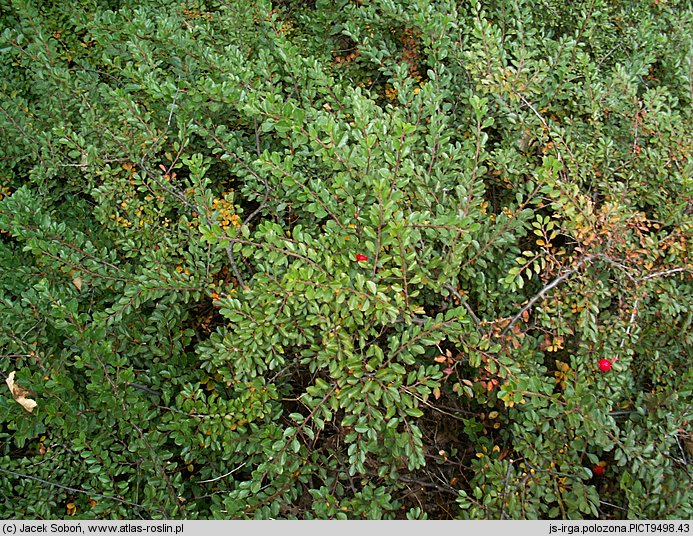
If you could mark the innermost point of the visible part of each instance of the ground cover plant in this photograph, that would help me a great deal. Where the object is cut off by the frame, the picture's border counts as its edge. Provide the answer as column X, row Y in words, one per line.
column 352, row 259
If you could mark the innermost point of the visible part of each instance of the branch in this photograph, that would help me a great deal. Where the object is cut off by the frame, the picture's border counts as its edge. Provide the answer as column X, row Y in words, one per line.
column 505, row 488
column 665, row 273
column 234, row 267
column 143, row 388
column 75, row 490
column 565, row 275
column 173, row 106
column 614, row 506
column 464, row 303
column 631, row 322
column 222, row 476
column 548, row 128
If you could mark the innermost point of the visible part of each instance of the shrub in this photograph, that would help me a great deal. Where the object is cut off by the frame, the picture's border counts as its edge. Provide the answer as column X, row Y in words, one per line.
column 346, row 260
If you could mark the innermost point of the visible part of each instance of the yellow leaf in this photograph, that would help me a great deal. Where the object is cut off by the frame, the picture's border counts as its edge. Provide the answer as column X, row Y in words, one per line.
column 562, row 366
column 77, row 281
column 19, row 394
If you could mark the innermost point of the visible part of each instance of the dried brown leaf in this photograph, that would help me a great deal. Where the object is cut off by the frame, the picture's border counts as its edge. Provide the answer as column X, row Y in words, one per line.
column 19, row 394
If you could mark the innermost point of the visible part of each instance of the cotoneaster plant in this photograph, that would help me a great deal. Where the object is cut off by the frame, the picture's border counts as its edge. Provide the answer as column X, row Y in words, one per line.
column 345, row 259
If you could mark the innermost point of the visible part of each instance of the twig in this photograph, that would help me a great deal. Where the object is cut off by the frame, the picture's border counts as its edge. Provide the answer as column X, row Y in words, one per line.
column 414, row 320
column 222, row 476
column 191, row 205
column 433, row 485
column 505, row 488
column 621, row 413
column 263, row 203
column 665, row 273
column 257, row 139
column 74, row 490
column 158, row 140
column 234, row 268
column 614, row 506
column 464, row 303
column 609, row 54
column 549, row 471
column 438, row 408
column 684, row 458
column 548, row 128
column 143, row 388
column 624, row 269
column 631, row 322
column 565, row 275
column 173, row 106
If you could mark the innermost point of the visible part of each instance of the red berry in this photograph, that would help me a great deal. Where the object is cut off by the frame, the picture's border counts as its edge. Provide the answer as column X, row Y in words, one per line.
column 598, row 470
column 604, row 365
column 361, row 258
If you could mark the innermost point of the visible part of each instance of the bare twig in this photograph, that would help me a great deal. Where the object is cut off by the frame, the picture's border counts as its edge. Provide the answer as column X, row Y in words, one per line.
column 631, row 322
column 665, row 273
column 173, row 106
column 684, row 458
column 222, row 476
column 614, row 506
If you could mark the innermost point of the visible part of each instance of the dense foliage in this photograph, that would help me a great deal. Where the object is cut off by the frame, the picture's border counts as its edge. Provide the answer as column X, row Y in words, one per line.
column 346, row 259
